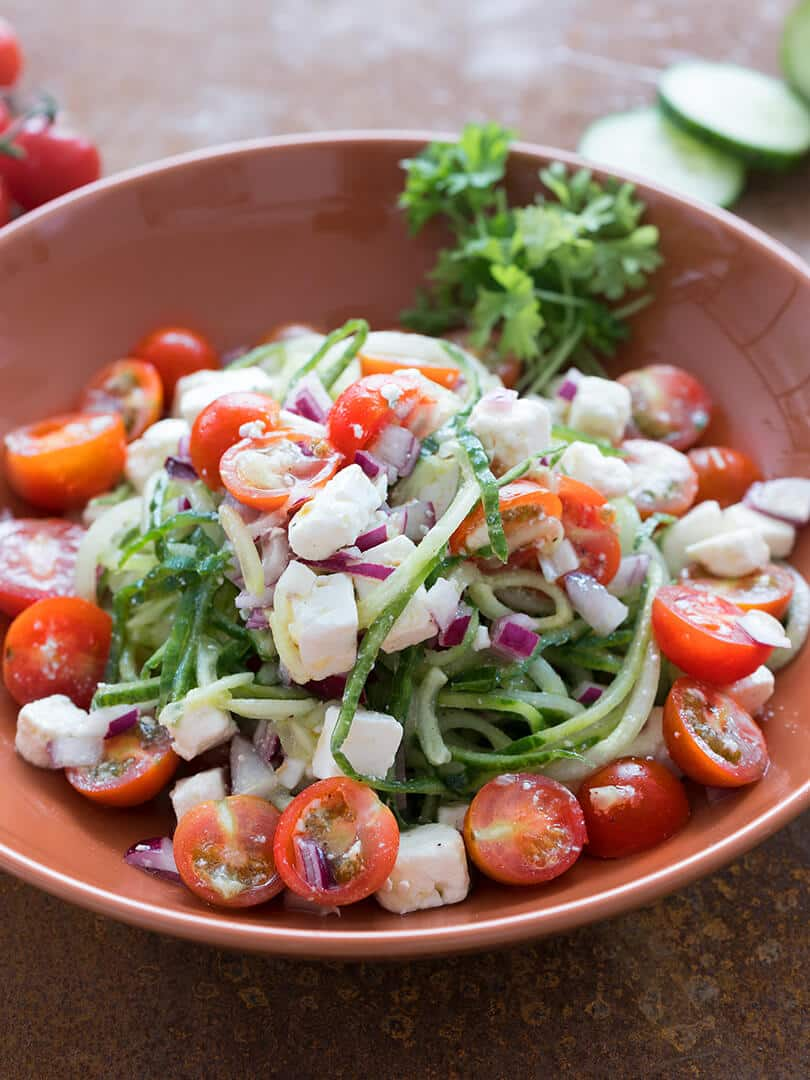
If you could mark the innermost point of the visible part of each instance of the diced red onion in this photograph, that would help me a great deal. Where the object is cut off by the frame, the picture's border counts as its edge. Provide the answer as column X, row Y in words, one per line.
column 371, row 539
column 257, row 620
column 184, row 447
column 299, row 904
column 398, row 447
column 786, row 499
column 268, row 745
column 587, row 693
column 68, row 751
column 372, row 466
column 276, row 555
column 342, row 563
column 512, row 638
column 419, row 518
column 155, row 856
column 594, row 603
column 453, row 633
column 442, row 602
column 329, row 689
column 631, row 573
column 567, row 390
column 180, row 468
column 562, row 560
column 765, row 629
column 183, row 503
column 312, row 863
column 309, row 399
column 119, row 724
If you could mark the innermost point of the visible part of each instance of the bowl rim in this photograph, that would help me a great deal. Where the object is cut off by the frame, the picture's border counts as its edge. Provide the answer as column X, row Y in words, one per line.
column 399, row 940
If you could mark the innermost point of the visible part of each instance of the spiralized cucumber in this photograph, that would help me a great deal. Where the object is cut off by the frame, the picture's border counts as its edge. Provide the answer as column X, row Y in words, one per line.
column 747, row 114
column 645, row 142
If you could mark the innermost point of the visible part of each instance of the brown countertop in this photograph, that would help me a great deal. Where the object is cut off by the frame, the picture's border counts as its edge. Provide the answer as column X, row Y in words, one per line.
column 709, row 982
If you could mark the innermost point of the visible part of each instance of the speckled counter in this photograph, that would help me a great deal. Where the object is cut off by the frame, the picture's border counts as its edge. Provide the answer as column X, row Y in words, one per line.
column 711, row 982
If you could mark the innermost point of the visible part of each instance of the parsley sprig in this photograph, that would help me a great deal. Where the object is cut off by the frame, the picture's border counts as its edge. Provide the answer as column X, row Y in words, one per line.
column 541, row 281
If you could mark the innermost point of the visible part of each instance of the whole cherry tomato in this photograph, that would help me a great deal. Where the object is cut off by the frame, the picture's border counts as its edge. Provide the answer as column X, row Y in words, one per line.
column 176, row 351
column 724, row 474
column 11, row 58
column 54, row 161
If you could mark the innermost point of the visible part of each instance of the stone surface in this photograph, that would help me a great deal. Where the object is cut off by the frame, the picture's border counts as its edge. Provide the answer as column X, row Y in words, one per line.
column 709, row 982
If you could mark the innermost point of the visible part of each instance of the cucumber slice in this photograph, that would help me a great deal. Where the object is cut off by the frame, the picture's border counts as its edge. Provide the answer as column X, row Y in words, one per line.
column 643, row 141
column 796, row 49
column 750, row 115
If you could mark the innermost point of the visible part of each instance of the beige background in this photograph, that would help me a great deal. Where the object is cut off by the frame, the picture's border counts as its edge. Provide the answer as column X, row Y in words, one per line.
column 710, row 982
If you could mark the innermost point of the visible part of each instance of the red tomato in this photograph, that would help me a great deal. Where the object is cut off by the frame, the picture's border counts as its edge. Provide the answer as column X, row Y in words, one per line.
column 509, row 371
column 526, row 508
column 589, row 523
column 54, row 162
column 523, row 829
column 216, row 429
column 768, row 590
column 37, row 559
column 10, row 54
column 631, row 805
column 288, row 332
column 711, row 737
column 336, row 842
column 5, row 204
column 664, row 481
column 57, row 646
column 382, row 365
column 370, row 404
column 282, row 468
column 129, row 387
column 669, row 404
column 136, row 765
column 224, row 851
column 723, row 474
column 700, row 633
column 64, row 461
column 176, row 351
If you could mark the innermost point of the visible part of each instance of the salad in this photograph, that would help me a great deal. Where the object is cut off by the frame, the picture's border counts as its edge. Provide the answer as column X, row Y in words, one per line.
column 365, row 614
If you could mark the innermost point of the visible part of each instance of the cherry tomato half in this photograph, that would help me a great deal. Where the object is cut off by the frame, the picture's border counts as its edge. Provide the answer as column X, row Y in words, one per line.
column 54, row 161
column 669, row 404
column 224, row 851
column 383, row 365
column 10, row 54
column 216, row 429
column 288, row 332
column 370, row 404
column 768, row 590
column 712, row 738
column 700, row 633
column 57, row 646
column 137, row 764
column 589, row 523
column 37, row 559
column 631, row 805
column 64, row 461
column 336, row 842
column 282, row 468
column 523, row 829
column 724, row 474
column 526, row 508
column 663, row 480
column 176, row 351
column 129, row 387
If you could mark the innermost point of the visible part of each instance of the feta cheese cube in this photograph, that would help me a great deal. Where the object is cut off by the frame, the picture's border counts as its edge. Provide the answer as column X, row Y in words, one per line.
column 431, row 870
column 584, row 462
column 601, row 408
column 370, row 746
column 415, row 624
column 197, row 726
column 778, row 535
column 314, row 623
column 249, row 774
column 49, row 718
column 752, row 692
column 148, row 454
column 195, row 391
column 511, row 428
column 702, row 522
column 291, row 772
column 197, row 789
column 335, row 516
column 731, row 554
column 453, row 814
